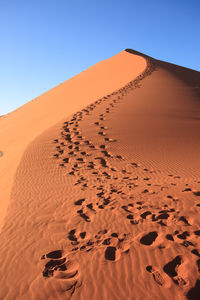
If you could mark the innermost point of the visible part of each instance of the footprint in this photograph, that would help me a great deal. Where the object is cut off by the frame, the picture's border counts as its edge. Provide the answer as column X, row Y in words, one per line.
column 112, row 140
column 102, row 133
column 100, row 234
column 83, row 234
column 90, row 206
column 126, row 208
column 106, row 175
column 163, row 216
column 55, row 254
column 52, row 265
column 183, row 235
column 135, row 164
column 71, row 235
column 68, row 138
column 196, row 252
column 145, row 214
column 102, row 146
column 79, row 202
column 106, row 153
column 156, row 275
column 83, row 215
column 184, row 220
column 187, row 190
column 171, row 270
column 112, row 253
column 102, row 162
column 66, row 159
column 149, row 238
column 169, row 237
column 64, row 272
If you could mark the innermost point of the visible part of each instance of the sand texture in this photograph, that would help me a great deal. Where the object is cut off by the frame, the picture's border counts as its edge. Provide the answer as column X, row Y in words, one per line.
column 100, row 186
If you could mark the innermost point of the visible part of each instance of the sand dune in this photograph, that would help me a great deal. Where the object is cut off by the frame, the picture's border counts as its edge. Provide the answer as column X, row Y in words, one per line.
column 20, row 127
column 100, row 186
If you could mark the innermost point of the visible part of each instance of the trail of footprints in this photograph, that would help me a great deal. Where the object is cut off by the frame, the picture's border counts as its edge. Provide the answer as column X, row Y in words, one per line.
column 113, row 188
column 113, row 243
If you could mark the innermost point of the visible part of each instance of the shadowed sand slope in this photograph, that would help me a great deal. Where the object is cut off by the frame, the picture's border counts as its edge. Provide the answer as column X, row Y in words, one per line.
column 105, row 203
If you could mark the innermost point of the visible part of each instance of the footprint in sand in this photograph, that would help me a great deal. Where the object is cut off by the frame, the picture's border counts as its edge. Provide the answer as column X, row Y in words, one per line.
column 171, row 269
column 102, row 162
column 156, row 275
column 106, row 153
column 79, row 202
column 149, row 238
column 72, row 236
column 62, row 273
column 82, row 234
column 110, row 140
column 112, row 253
column 102, row 133
column 184, row 220
column 117, row 247
column 85, row 217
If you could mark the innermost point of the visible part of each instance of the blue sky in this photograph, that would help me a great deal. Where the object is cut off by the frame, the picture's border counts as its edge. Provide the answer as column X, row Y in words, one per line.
column 43, row 43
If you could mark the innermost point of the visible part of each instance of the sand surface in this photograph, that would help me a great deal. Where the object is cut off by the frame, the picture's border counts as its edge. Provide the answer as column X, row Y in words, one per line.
column 100, row 186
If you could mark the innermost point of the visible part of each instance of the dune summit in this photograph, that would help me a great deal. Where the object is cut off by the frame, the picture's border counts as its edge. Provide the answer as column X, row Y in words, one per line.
column 100, row 186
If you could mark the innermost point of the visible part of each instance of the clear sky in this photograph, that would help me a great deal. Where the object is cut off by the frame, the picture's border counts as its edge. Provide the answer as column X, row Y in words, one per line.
column 45, row 42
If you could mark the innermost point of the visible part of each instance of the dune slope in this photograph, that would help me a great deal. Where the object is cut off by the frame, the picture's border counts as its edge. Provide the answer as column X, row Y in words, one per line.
column 20, row 127
column 105, row 201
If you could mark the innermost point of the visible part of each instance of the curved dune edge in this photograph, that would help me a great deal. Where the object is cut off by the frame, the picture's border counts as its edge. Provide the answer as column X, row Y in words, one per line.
column 29, row 198
column 23, row 125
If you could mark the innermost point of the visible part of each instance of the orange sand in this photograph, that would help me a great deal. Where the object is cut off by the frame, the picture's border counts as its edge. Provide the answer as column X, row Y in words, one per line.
column 100, row 187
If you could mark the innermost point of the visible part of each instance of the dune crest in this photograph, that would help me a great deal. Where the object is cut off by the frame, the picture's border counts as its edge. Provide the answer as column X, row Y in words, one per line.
column 105, row 201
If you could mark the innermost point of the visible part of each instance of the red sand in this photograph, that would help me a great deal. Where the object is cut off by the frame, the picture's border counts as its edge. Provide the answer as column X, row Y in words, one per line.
column 100, row 187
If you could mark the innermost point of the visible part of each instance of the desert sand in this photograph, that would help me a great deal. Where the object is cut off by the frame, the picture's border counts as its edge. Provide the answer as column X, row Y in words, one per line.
column 100, row 186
